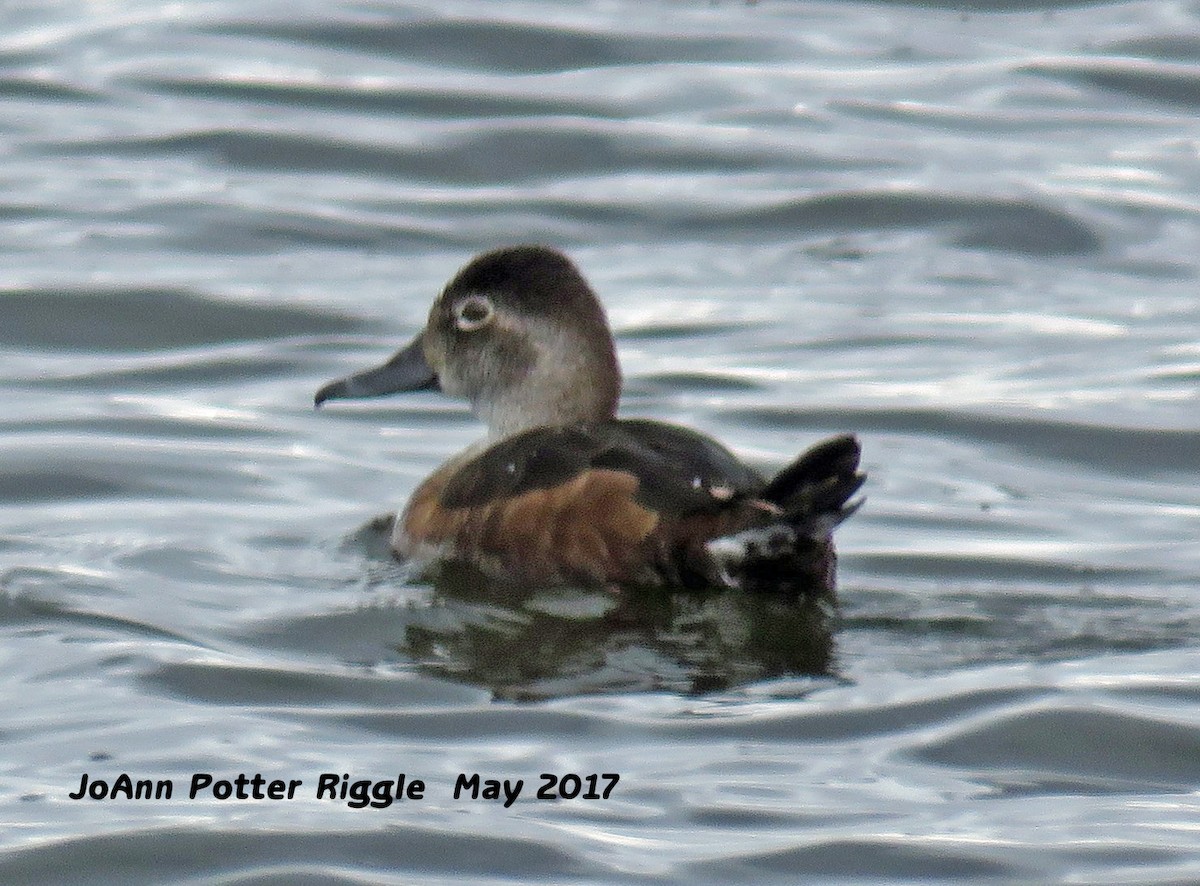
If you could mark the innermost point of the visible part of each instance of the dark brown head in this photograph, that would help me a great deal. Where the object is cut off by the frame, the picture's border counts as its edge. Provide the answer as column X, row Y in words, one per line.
column 520, row 334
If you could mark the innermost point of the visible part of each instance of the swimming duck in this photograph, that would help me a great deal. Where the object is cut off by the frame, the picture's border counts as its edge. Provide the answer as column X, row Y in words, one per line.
column 563, row 491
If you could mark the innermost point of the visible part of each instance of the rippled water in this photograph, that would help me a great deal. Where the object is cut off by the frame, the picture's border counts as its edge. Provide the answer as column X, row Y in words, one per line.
column 966, row 231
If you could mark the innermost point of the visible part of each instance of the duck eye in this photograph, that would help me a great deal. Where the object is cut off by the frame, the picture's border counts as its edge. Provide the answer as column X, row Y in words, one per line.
column 473, row 312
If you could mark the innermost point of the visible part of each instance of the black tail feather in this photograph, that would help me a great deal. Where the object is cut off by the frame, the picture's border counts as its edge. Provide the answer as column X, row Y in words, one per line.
column 814, row 492
column 792, row 551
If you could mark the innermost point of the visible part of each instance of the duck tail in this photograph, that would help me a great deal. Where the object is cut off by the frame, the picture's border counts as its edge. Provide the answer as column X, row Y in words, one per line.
column 814, row 493
column 792, row 550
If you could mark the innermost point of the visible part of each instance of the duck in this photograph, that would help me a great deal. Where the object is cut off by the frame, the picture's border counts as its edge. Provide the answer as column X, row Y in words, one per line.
column 562, row 491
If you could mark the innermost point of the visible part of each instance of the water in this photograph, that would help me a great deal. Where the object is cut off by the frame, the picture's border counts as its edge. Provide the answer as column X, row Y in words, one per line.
column 965, row 231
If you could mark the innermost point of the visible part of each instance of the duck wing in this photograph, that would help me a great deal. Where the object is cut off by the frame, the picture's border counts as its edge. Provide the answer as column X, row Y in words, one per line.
column 678, row 471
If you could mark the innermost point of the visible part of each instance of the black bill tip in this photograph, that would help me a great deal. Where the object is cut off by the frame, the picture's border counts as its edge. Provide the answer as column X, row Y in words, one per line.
column 407, row 370
column 335, row 390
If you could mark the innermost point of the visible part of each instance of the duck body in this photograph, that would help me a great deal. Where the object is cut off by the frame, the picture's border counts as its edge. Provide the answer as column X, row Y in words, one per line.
column 563, row 491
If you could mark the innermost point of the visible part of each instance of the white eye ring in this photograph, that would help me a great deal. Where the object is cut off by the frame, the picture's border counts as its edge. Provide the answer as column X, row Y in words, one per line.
column 473, row 312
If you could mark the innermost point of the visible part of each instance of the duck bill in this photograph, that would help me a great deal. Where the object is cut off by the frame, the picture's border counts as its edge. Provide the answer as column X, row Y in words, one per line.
column 406, row 371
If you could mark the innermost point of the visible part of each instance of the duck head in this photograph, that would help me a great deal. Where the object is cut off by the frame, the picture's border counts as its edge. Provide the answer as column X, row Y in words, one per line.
column 519, row 334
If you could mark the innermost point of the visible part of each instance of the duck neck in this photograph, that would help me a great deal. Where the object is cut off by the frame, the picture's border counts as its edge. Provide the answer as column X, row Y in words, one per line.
column 570, row 392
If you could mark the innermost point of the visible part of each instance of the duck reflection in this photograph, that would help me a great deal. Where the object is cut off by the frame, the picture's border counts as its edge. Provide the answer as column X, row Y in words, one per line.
column 530, row 644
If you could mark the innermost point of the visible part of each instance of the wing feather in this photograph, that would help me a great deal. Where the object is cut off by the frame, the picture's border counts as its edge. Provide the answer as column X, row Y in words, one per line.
column 678, row 471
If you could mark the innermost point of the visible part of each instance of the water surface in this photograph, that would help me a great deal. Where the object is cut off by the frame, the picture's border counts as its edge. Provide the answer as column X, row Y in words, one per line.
column 964, row 231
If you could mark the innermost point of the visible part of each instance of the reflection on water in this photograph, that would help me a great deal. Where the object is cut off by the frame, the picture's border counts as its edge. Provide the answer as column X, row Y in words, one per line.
column 538, row 644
